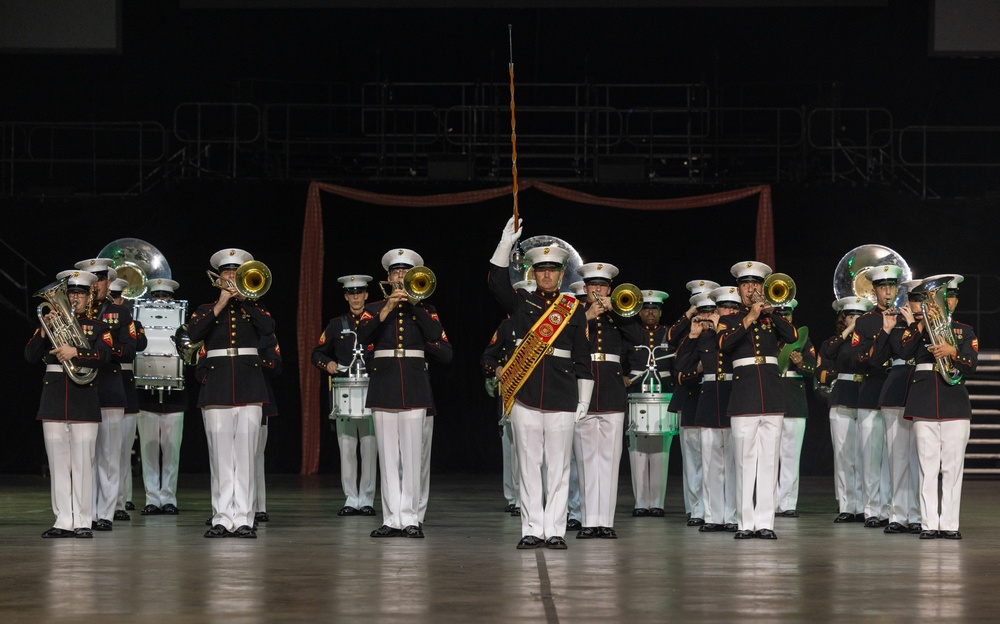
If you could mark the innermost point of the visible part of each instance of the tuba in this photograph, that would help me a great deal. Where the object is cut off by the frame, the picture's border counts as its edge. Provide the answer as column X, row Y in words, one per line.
column 136, row 261
column 937, row 320
column 848, row 277
column 63, row 328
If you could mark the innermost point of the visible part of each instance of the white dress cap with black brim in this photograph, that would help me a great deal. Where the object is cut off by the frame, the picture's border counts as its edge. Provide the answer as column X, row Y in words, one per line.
column 787, row 307
column 77, row 280
column 229, row 258
column 401, row 258
column 161, row 284
column 354, row 284
column 858, row 305
column 546, row 257
column 118, row 286
column 750, row 271
column 702, row 301
column 953, row 284
column 882, row 274
column 653, row 298
column 597, row 272
column 578, row 288
column 726, row 295
column 699, row 286
column 527, row 284
column 101, row 267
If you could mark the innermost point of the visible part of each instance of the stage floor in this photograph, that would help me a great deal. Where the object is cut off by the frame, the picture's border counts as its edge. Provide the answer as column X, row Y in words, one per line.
column 310, row 565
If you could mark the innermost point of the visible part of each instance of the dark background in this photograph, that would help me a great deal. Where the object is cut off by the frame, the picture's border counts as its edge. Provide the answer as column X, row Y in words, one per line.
column 844, row 55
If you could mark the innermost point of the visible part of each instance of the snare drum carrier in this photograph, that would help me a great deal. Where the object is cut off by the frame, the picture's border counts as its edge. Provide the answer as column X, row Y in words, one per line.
column 647, row 410
column 349, row 394
column 160, row 366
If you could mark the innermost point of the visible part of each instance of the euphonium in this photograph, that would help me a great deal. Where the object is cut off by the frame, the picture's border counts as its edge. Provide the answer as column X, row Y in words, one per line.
column 185, row 348
column 937, row 320
column 63, row 328
column 626, row 300
column 779, row 289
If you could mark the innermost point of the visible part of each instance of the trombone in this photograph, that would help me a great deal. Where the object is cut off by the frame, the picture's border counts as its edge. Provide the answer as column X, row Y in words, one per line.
column 419, row 283
column 252, row 280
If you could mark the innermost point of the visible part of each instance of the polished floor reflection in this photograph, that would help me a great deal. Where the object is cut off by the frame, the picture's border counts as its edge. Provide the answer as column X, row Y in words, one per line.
column 310, row 565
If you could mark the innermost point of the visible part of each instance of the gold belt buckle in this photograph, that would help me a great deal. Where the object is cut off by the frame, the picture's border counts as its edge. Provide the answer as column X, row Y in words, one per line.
column 399, row 353
column 720, row 377
column 911, row 361
column 232, row 351
column 550, row 350
column 759, row 360
column 600, row 357
column 859, row 378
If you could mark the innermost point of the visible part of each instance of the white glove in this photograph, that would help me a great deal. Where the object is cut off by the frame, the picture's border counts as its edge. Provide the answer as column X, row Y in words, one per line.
column 501, row 257
column 584, row 389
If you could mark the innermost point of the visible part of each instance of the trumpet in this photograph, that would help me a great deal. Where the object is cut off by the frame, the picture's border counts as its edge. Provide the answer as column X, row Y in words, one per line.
column 779, row 289
column 419, row 283
column 252, row 280
column 626, row 300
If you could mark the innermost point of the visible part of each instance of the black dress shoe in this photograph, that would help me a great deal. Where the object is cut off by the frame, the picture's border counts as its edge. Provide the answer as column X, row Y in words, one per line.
column 587, row 533
column 530, row 541
column 261, row 516
column 573, row 525
column 170, row 509
column 744, row 535
column 710, row 527
column 120, row 514
column 129, row 506
column 367, row 510
column 83, row 532
column 101, row 525
column 871, row 523
column 731, row 527
column 844, row 517
column 656, row 512
column 915, row 527
column 788, row 513
column 556, row 543
column 696, row 522
column 883, row 522
column 245, row 532
column 928, row 535
column 640, row 512
column 516, row 512
column 765, row 534
column 217, row 531
column 386, row 531
column 153, row 510
column 509, row 508
column 54, row 532
column 347, row 511
column 859, row 517
column 606, row 533
column 209, row 521
column 413, row 531
column 895, row 527
column 950, row 534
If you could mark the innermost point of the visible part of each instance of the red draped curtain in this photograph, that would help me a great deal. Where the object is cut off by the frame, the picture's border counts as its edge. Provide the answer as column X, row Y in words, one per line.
column 310, row 313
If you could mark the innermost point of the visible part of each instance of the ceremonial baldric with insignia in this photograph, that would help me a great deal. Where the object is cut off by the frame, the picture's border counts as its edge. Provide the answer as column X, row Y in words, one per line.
column 533, row 348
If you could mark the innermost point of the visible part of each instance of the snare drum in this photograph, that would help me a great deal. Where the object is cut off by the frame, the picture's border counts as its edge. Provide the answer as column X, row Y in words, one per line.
column 159, row 365
column 648, row 414
column 347, row 398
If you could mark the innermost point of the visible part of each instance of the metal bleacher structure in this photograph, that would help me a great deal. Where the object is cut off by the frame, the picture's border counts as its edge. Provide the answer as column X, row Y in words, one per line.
column 676, row 134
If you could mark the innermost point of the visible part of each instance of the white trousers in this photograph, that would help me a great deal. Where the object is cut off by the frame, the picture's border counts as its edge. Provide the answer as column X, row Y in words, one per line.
column 232, row 434
column 125, row 469
column 649, row 458
column 941, row 453
column 70, row 448
column 260, row 493
column 352, row 434
column 160, row 449
column 399, row 435
column 427, row 434
column 543, row 441
column 871, row 441
column 692, row 477
column 844, row 435
column 574, row 509
column 597, row 444
column 793, row 432
column 755, row 447
column 107, row 461
column 713, row 471
column 904, row 469
column 511, row 478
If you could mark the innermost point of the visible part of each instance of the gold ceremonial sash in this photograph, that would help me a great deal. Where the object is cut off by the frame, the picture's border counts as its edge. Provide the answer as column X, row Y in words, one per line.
column 532, row 349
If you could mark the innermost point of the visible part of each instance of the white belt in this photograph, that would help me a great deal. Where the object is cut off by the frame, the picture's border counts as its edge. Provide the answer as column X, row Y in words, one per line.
column 640, row 373
column 54, row 368
column 925, row 367
column 127, row 367
column 902, row 362
column 605, row 357
column 398, row 353
column 230, row 352
column 755, row 361
column 849, row 377
column 714, row 377
column 792, row 375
